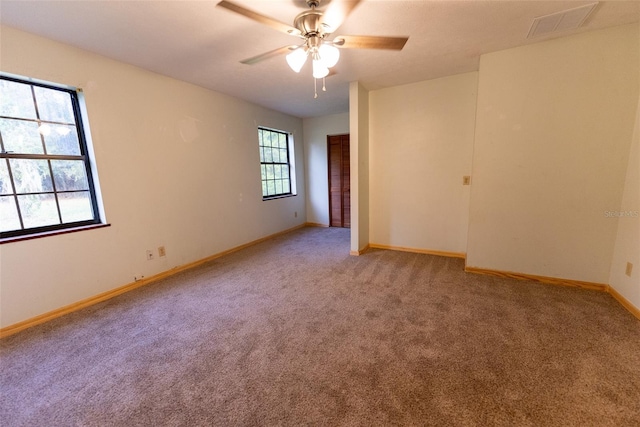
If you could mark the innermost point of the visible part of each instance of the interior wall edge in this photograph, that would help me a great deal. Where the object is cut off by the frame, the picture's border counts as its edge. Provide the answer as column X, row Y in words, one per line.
column 360, row 251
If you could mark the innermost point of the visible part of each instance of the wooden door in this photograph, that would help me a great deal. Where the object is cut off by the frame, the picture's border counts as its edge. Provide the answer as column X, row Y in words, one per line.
column 339, row 181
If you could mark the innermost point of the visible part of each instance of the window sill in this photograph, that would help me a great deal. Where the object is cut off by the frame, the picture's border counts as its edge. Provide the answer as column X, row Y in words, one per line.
column 51, row 233
column 282, row 196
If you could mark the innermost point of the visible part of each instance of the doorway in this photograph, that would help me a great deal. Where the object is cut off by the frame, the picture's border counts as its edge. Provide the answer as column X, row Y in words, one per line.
column 339, row 181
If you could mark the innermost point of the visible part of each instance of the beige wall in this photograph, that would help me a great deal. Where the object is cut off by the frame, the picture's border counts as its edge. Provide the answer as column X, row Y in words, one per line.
column 359, row 168
column 421, row 147
column 178, row 167
column 627, row 248
column 316, row 130
column 553, row 131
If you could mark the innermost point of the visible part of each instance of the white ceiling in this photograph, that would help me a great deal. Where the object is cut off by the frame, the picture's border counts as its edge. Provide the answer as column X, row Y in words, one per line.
column 199, row 43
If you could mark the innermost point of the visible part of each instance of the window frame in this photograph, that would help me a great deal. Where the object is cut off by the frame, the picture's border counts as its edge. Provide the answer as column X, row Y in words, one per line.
column 84, row 155
column 289, row 163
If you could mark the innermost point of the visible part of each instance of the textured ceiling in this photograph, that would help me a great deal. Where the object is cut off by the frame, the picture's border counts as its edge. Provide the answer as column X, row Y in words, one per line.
column 199, row 43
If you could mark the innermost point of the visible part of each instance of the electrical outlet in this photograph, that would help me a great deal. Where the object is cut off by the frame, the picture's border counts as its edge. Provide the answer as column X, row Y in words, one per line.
column 628, row 269
column 138, row 278
column 466, row 180
column 150, row 255
column 161, row 251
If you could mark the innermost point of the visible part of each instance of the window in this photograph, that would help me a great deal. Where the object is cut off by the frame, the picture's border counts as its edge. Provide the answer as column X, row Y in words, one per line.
column 276, row 164
column 45, row 175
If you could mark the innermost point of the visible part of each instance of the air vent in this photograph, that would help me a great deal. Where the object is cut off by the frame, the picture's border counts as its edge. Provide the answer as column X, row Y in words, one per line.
column 560, row 21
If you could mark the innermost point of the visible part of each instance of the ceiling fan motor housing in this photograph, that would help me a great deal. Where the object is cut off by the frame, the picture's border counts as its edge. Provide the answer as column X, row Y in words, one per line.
column 309, row 23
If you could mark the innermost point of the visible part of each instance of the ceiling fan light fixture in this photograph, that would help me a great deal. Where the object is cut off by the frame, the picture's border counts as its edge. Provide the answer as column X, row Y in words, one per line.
column 329, row 54
column 315, row 26
column 297, row 58
column 320, row 70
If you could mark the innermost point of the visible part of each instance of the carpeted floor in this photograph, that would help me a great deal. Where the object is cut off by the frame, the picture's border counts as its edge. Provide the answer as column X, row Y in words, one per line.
column 294, row 331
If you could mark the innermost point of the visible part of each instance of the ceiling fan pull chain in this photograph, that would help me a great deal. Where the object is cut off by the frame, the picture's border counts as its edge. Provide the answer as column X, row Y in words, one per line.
column 324, row 87
column 315, row 89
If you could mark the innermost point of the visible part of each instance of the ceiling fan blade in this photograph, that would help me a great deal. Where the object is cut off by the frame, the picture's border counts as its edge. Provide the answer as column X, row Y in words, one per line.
column 370, row 42
column 288, row 29
column 336, row 13
column 270, row 54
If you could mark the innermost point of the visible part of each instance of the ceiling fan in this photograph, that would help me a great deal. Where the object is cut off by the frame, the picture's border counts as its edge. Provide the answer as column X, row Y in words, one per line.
column 314, row 27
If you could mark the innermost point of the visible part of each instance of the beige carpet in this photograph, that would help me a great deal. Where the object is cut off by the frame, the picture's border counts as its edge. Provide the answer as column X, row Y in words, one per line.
column 295, row 331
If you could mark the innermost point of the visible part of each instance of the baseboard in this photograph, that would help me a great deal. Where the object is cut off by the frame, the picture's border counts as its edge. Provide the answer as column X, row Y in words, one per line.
column 315, row 224
column 359, row 252
column 419, row 251
column 25, row 324
column 542, row 279
column 43, row 318
column 625, row 302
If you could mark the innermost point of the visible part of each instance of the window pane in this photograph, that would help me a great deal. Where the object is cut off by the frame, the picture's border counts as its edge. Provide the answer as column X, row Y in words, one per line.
column 31, row 176
column 75, row 207
column 8, row 214
column 69, row 175
column 54, row 105
column 61, row 139
column 38, row 210
column 16, row 100
column 268, row 157
column 5, row 182
column 21, row 137
column 38, row 122
column 274, row 162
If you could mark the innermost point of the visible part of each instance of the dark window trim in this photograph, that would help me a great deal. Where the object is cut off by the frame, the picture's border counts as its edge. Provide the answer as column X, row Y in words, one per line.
column 280, row 196
column 5, row 240
column 36, row 232
column 290, row 193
